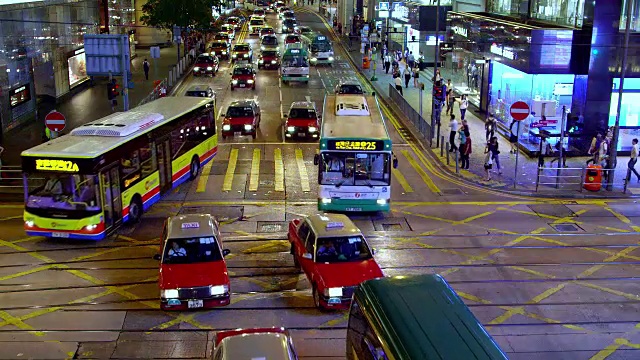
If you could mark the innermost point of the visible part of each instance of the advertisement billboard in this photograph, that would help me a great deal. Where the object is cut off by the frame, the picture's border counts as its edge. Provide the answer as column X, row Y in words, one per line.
column 77, row 67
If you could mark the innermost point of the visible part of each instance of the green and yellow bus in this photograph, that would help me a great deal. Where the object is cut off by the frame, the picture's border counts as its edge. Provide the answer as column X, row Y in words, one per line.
column 415, row 318
column 84, row 185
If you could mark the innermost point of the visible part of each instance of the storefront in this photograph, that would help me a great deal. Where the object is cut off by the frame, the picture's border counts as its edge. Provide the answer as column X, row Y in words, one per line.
column 77, row 64
column 629, row 111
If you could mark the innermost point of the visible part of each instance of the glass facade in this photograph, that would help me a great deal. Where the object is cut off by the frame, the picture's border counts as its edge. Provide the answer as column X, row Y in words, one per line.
column 629, row 111
column 635, row 15
column 560, row 12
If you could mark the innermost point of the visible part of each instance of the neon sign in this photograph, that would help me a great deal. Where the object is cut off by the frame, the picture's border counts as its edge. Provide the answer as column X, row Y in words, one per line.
column 56, row 165
column 460, row 31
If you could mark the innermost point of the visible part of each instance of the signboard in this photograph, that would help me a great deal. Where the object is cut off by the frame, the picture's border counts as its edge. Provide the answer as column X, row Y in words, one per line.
column 55, row 121
column 460, row 31
column 556, row 49
column 400, row 12
column 155, row 52
column 56, row 165
column 383, row 10
column 519, row 110
column 107, row 54
column 20, row 95
column 503, row 51
column 359, row 145
column 563, row 89
column 77, row 67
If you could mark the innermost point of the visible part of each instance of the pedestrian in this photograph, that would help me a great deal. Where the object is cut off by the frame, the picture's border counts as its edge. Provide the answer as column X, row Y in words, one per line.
column 145, row 67
column 398, row 83
column 465, row 148
column 513, row 136
column 557, row 148
column 594, row 149
column 631, row 165
column 407, row 76
column 411, row 60
column 387, row 63
column 464, row 103
column 490, row 127
column 1, row 151
column 492, row 147
column 449, row 97
column 488, row 163
column 416, row 76
column 453, row 129
column 437, row 77
column 545, row 149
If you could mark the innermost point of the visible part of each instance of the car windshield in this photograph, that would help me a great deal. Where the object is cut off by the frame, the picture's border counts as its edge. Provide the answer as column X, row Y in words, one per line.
column 350, row 89
column 257, row 22
column 295, row 61
column 236, row 112
column 205, row 59
column 241, row 48
column 305, row 30
column 258, row 12
column 233, row 20
column 270, row 53
column 322, row 46
column 293, row 38
column 302, row 114
column 57, row 193
column 267, row 31
column 342, row 249
column 289, row 23
column 219, row 45
column 360, row 169
column 269, row 40
column 191, row 250
column 288, row 14
column 197, row 93
column 242, row 71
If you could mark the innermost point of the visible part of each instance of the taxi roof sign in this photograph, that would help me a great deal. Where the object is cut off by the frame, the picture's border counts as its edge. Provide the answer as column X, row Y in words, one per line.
column 190, row 225
column 335, row 225
column 322, row 38
column 295, row 51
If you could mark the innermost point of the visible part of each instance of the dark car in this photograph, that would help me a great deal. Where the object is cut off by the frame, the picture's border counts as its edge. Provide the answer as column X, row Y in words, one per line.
column 200, row 91
column 242, row 117
column 206, row 65
column 289, row 26
column 268, row 41
column 243, row 76
column 352, row 88
column 241, row 52
column 269, row 59
column 220, row 48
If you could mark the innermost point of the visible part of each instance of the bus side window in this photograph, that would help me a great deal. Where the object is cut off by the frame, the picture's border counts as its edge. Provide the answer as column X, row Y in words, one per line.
column 130, row 163
column 147, row 162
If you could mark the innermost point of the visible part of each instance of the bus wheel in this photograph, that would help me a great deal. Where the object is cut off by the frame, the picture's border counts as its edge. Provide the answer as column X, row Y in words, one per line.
column 135, row 209
column 194, row 168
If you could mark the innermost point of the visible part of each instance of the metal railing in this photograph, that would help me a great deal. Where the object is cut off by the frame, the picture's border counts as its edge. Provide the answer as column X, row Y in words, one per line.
column 405, row 108
column 577, row 179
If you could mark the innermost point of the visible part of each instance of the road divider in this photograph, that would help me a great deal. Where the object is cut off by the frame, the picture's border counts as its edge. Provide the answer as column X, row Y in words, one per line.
column 231, row 169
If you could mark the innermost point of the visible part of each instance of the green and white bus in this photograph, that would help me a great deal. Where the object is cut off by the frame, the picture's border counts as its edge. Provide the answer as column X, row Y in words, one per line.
column 355, row 158
column 295, row 64
column 415, row 317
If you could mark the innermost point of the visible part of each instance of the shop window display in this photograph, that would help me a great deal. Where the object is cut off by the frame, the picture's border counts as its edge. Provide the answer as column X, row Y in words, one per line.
column 561, row 12
column 629, row 111
column 466, row 76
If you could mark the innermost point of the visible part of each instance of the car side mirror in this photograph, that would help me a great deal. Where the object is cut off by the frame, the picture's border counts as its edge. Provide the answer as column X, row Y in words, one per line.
column 156, row 257
column 316, row 159
column 226, row 252
column 307, row 256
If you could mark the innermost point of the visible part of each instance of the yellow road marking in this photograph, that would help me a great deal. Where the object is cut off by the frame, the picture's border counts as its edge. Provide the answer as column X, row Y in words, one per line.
column 302, row 170
column 427, row 180
column 402, row 181
column 609, row 350
column 29, row 238
column 204, row 177
column 231, row 169
column 270, row 244
column 279, row 169
column 18, row 323
column 337, row 321
column 26, row 272
column 255, row 171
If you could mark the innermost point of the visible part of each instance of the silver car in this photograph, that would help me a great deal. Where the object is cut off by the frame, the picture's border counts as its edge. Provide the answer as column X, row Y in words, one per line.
column 262, row 343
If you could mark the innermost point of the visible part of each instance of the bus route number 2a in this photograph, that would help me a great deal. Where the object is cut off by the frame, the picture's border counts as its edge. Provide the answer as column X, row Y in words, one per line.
column 356, row 145
column 56, row 165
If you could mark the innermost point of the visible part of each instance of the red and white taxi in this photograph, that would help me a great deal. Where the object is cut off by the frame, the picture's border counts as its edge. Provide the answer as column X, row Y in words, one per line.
column 193, row 272
column 302, row 121
column 334, row 256
column 292, row 39
column 242, row 118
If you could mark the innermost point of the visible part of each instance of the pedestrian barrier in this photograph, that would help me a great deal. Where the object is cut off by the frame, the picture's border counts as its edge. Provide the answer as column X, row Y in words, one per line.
column 418, row 121
column 163, row 87
column 592, row 178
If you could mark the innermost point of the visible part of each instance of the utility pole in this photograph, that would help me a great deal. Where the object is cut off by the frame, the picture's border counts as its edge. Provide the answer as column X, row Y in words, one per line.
column 616, row 129
column 435, row 71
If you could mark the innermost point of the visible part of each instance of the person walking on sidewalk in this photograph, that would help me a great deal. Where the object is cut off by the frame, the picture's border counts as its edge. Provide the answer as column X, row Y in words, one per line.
column 398, row 83
column 416, row 76
column 453, row 129
column 464, row 103
column 465, row 149
column 490, row 127
column 556, row 150
column 411, row 60
column 145, row 67
column 387, row 63
column 545, row 149
column 492, row 147
column 407, row 76
column 513, row 137
column 449, row 97
column 594, row 150
column 631, row 165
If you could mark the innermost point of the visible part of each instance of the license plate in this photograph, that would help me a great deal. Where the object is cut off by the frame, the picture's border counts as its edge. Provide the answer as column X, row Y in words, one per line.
column 242, row 85
column 60, row 235
column 194, row 304
column 334, row 301
column 353, row 209
column 302, row 134
column 237, row 133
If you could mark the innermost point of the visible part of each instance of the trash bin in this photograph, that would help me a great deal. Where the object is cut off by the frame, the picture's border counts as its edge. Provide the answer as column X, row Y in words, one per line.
column 365, row 62
column 593, row 178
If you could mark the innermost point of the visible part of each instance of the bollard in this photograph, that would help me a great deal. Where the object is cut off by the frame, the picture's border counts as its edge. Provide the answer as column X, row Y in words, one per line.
column 448, row 153
column 582, row 176
column 457, row 168
column 626, row 181
column 442, row 146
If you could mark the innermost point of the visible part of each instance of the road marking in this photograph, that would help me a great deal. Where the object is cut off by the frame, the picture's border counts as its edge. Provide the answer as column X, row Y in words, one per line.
column 279, row 169
column 231, row 169
column 302, row 170
column 204, row 177
column 427, row 180
column 255, row 171
column 402, row 181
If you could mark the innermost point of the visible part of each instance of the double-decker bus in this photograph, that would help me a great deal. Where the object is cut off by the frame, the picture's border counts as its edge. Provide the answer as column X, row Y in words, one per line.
column 295, row 64
column 84, row 185
column 415, row 317
column 355, row 158
column 321, row 50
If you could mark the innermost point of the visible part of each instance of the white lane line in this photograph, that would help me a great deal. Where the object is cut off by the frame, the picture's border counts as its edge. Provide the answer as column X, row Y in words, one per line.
column 322, row 81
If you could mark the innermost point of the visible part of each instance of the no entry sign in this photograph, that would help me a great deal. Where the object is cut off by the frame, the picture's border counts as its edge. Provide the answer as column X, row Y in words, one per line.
column 519, row 110
column 55, row 121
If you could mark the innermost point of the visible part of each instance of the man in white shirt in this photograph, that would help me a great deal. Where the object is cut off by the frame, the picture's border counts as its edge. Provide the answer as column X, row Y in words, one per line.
column 176, row 250
column 398, row 84
column 453, row 126
column 633, row 160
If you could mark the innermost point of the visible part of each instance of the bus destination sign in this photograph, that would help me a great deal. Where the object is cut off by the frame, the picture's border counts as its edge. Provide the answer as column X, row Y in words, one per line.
column 357, row 145
column 56, row 165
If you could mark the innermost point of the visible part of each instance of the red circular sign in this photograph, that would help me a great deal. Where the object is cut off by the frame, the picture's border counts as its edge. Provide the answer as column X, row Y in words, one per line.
column 55, row 121
column 519, row 110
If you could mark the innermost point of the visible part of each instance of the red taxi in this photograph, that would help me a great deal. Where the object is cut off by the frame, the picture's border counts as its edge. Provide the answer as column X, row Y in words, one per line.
column 242, row 52
column 256, row 344
column 269, row 59
column 334, row 256
column 268, row 30
column 243, row 76
column 228, row 29
column 220, row 48
column 292, row 39
column 206, row 64
column 223, row 36
column 242, row 118
column 235, row 21
column 193, row 272
column 302, row 121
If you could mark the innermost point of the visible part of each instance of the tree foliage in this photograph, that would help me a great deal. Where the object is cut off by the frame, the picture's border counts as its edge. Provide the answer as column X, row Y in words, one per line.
column 165, row 14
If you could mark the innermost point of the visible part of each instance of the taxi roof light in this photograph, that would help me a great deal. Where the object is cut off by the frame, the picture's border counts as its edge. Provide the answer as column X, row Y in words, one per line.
column 335, row 225
column 190, row 225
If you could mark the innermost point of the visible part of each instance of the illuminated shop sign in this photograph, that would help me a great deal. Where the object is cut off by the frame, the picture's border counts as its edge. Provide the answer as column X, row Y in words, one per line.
column 20, row 95
column 356, row 145
column 460, row 31
column 400, row 12
column 505, row 52
column 56, row 165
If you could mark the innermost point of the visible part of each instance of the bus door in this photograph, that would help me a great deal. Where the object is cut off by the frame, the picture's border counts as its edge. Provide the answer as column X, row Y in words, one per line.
column 163, row 151
column 112, row 201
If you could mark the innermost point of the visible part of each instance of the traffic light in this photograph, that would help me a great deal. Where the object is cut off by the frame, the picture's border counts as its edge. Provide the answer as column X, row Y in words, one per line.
column 439, row 92
column 112, row 90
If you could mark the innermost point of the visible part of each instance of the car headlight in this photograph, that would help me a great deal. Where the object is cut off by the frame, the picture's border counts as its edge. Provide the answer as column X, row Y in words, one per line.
column 313, row 129
column 261, row 47
column 246, row 55
column 218, row 289
column 273, row 61
column 330, row 58
column 234, row 82
column 326, row 200
column 209, row 68
column 224, row 53
column 169, row 294
column 248, row 127
column 196, row 68
column 235, row 55
column 261, row 61
column 91, row 227
column 333, row 292
column 381, row 201
column 249, row 81
column 226, row 127
column 291, row 128
column 314, row 59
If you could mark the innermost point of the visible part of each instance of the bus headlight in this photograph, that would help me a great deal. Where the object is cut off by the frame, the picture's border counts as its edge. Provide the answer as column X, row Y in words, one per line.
column 331, row 58
column 326, row 200
column 333, row 292
column 234, row 82
column 261, row 47
column 224, row 53
column 196, row 68
column 249, row 81
column 30, row 223
column 312, row 129
column 273, row 61
column 248, row 127
column 226, row 127
column 291, row 128
column 209, row 68
column 91, row 227
column 169, row 294
column 218, row 289
column 382, row 201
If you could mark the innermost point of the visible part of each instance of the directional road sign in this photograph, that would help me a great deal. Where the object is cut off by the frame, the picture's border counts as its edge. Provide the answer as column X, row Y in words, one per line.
column 519, row 110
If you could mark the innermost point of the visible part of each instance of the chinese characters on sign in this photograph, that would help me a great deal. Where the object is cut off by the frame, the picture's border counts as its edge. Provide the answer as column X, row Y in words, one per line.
column 356, row 145
column 56, row 165
column 400, row 12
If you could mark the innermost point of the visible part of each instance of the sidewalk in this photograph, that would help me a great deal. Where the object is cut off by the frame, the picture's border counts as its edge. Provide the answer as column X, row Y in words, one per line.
column 89, row 104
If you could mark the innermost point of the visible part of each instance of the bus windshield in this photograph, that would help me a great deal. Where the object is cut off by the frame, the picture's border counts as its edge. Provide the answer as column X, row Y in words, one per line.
column 295, row 61
column 342, row 249
column 361, row 169
column 191, row 250
column 321, row 46
column 57, row 192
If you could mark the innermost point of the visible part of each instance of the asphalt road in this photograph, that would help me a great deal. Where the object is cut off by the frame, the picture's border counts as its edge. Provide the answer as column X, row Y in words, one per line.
column 550, row 279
